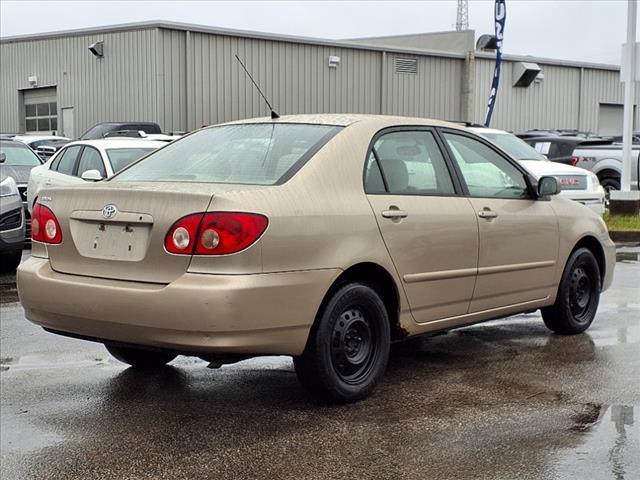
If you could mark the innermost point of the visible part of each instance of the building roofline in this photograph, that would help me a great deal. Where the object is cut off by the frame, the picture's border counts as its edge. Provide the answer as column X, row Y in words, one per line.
column 168, row 25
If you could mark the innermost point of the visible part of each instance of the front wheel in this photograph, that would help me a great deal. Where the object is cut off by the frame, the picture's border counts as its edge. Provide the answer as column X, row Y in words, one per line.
column 138, row 357
column 578, row 295
column 348, row 347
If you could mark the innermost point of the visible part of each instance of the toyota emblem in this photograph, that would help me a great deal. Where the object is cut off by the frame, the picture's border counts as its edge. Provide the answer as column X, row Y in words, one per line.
column 109, row 211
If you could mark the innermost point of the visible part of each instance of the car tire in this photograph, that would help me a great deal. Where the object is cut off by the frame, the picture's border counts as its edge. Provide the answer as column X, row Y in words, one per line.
column 138, row 357
column 348, row 346
column 609, row 184
column 10, row 261
column 578, row 295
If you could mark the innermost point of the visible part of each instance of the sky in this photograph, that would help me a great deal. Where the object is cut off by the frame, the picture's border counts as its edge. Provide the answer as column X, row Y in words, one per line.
column 591, row 31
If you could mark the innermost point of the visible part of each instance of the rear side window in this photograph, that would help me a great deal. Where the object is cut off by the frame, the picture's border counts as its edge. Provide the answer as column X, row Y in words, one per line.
column 410, row 162
column 255, row 154
column 68, row 160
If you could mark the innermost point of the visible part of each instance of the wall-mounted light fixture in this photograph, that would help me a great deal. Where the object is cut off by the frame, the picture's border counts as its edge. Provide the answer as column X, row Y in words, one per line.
column 33, row 81
column 97, row 49
column 334, row 61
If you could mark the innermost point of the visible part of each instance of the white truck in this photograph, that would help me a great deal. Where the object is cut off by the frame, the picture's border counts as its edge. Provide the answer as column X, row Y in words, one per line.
column 606, row 162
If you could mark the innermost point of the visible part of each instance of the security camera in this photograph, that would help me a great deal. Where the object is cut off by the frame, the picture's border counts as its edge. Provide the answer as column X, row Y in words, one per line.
column 97, row 48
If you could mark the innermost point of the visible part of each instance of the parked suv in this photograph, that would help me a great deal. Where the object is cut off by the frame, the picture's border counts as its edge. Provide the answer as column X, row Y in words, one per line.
column 560, row 148
column 102, row 130
column 577, row 183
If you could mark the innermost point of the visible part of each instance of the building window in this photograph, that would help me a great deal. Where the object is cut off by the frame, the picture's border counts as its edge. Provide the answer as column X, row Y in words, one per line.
column 41, row 117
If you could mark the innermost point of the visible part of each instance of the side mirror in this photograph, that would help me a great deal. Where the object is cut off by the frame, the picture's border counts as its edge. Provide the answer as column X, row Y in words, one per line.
column 92, row 176
column 548, row 186
column 3, row 157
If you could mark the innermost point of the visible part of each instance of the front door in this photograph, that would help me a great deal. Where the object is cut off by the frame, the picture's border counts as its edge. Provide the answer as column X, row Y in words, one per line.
column 518, row 234
column 429, row 231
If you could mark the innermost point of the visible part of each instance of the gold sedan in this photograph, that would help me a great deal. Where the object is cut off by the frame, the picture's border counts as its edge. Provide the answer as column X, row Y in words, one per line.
column 324, row 237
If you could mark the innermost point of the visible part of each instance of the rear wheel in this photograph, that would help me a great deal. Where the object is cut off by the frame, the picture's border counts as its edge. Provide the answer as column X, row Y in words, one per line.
column 138, row 357
column 578, row 295
column 348, row 348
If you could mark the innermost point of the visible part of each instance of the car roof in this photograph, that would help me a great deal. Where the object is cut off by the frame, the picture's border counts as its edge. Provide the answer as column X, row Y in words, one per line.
column 119, row 142
column 346, row 119
column 34, row 138
column 489, row 130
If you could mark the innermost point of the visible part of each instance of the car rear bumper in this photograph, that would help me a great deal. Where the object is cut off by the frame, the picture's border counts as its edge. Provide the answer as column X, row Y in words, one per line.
column 239, row 314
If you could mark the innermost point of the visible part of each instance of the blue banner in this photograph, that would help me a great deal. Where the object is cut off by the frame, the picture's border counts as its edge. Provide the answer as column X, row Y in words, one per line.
column 500, row 18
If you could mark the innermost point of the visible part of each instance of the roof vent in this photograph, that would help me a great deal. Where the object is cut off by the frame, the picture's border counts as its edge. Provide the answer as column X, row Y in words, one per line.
column 406, row 65
column 524, row 73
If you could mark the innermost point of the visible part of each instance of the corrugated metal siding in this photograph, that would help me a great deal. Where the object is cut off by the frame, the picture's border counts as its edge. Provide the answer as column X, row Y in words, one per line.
column 121, row 85
column 556, row 102
column 433, row 92
column 294, row 77
column 553, row 103
column 600, row 86
column 183, row 80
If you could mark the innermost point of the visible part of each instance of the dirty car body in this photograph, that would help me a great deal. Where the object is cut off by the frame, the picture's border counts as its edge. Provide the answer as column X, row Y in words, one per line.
column 322, row 237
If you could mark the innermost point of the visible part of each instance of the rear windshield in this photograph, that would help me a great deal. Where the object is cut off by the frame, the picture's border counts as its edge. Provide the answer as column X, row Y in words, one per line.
column 123, row 157
column 256, row 154
column 19, row 155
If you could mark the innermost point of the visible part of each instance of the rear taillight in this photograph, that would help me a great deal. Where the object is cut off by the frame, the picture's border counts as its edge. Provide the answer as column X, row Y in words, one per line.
column 575, row 160
column 214, row 233
column 44, row 225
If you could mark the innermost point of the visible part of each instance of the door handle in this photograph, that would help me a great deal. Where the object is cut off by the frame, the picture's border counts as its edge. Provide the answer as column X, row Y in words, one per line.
column 394, row 213
column 487, row 213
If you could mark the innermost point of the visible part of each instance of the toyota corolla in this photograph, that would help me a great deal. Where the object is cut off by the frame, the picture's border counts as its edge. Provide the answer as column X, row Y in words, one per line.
column 321, row 237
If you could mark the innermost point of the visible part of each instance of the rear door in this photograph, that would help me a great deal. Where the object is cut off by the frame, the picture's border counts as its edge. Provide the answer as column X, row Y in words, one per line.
column 429, row 230
column 62, row 170
column 518, row 234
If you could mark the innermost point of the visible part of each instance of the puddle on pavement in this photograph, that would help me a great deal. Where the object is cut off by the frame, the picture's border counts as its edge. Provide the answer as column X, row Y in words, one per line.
column 8, row 293
column 611, row 446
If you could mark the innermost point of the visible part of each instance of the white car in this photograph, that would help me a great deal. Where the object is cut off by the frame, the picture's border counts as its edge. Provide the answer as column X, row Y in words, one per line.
column 576, row 183
column 34, row 141
column 87, row 160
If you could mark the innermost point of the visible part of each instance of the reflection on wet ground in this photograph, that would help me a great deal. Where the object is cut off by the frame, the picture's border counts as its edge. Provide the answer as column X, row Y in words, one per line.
column 501, row 400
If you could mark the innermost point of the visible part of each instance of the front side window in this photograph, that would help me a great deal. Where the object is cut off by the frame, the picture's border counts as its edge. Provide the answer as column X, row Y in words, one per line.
column 68, row 160
column 91, row 160
column 486, row 173
column 255, row 154
column 411, row 163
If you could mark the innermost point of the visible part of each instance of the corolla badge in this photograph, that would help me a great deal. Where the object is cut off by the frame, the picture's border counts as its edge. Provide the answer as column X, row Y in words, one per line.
column 109, row 211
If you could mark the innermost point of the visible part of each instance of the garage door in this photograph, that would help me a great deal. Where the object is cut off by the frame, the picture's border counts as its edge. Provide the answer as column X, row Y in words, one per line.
column 610, row 119
column 40, row 110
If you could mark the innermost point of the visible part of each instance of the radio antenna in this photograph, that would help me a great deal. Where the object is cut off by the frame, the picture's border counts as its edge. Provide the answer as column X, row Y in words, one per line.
column 274, row 114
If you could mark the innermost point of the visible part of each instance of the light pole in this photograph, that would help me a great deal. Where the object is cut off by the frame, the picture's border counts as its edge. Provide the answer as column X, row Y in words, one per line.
column 626, row 201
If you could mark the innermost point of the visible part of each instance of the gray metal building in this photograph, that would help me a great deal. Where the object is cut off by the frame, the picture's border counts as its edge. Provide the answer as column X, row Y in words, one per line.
column 185, row 76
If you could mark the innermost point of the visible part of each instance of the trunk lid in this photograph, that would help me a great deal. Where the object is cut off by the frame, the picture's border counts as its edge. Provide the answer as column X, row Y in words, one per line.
column 117, row 230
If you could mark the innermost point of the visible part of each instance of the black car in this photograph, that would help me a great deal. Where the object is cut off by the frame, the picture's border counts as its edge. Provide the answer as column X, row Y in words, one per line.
column 560, row 148
column 102, row 130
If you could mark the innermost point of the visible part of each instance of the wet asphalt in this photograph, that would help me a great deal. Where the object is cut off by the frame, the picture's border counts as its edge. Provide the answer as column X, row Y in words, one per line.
column 501, row 400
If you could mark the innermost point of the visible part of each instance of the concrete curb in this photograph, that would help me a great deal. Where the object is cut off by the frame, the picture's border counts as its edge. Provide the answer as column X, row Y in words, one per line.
column 625, row 237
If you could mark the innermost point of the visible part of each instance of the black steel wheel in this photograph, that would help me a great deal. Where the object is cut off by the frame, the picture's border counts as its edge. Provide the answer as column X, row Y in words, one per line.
column 578, row 295
column 140, row 357
column 348, row 346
